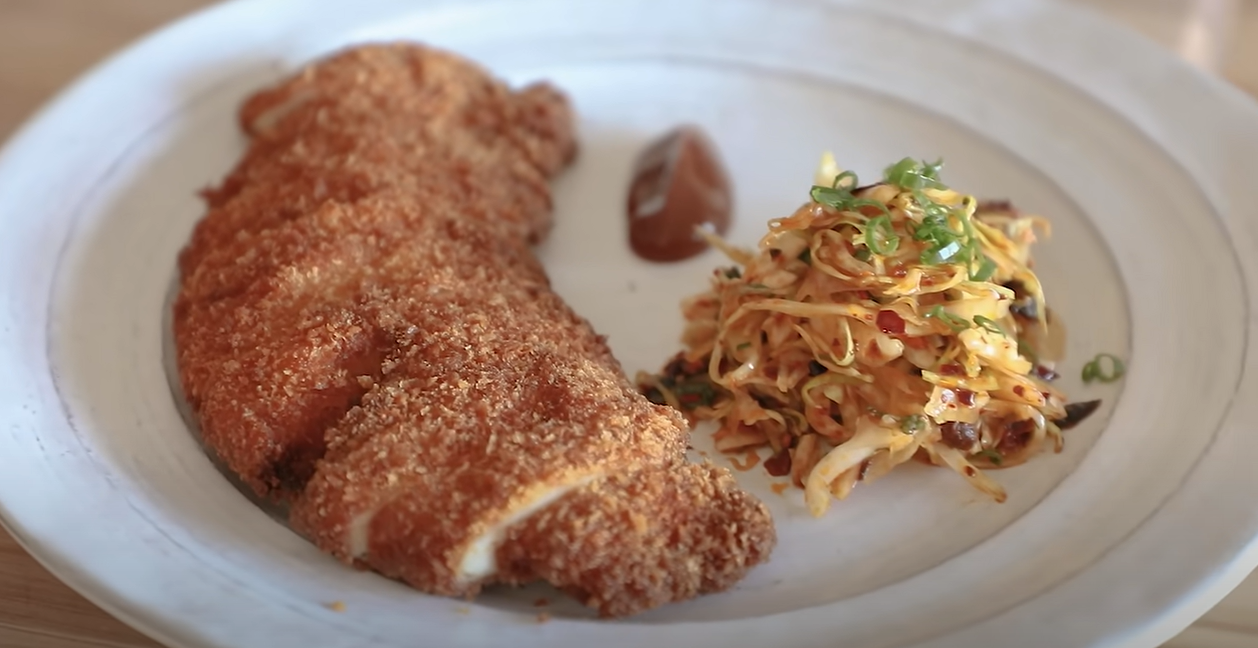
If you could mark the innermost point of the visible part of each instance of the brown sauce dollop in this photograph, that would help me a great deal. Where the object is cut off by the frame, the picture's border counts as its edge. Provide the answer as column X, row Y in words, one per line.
column 678, row 184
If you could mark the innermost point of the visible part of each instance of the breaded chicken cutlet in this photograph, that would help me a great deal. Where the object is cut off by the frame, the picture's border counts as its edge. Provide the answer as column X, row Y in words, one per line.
column 364, row 334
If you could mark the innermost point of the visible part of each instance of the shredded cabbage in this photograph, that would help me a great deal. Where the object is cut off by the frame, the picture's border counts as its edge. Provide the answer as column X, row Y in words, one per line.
column 872, row 326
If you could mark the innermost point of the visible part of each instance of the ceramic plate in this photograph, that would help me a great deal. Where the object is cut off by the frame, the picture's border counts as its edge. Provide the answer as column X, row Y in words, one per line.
column 1144, row 166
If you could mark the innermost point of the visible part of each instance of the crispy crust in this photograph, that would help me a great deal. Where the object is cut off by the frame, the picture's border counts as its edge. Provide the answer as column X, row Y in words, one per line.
column 643, row 538
column 296, row 234
column 364, row 333
column 503, row 392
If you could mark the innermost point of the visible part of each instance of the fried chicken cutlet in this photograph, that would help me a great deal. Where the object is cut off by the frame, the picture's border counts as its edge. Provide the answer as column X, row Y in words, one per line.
column 363, row 333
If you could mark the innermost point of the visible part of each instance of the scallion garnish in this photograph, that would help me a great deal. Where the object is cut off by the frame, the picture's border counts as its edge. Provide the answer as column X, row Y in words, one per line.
column 954, row 322
column 990, row 455
column 988, row 324
column 941, row 253
column 695, row 392
column 910, row 175
column 986, row 268
column 880, row 238
column 938, row 227
column 829, row 197
column 913, row 423
column 846, row 181
column 1094, row 370
column 806, row 256
column 840, row 196
column 1027, row 351
column 944, row 243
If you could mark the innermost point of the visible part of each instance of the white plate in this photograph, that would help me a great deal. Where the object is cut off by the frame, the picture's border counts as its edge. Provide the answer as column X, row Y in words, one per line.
column 1144, row 166
column 1233, row 623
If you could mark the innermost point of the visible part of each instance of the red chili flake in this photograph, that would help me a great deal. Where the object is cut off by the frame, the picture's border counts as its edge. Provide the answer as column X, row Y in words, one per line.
column 779, row 465
column 965, row 397
column 890, row 323
column 970, row 471
column 951, row 369
column 898, row 271
column 1019, row 390
column 1017, row 435
column 864, row 294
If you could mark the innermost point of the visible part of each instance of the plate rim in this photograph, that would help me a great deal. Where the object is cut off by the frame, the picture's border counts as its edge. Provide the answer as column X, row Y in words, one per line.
column 1216, row 585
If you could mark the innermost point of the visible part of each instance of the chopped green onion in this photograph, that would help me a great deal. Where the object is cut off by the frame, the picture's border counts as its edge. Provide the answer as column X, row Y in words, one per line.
column 845, row 202
column 934, row 226
column 954, row 322
column 1094, row 370
column 913, row 424
column 941, row 253
column 989, row 325
column 990, row 455
column 829, row 196
column 806, row 256
column 695, row 392
column 863, row 254
column 744, row 345
column 910, row 175
column 944, row 244
column 733, row 273
column 880, row 238
column 1027, row 351
column 848, row 186
column 840, row 196
column 986, row 269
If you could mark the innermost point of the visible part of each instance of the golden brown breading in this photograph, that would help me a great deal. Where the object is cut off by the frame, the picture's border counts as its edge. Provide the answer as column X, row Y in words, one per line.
column 364, row 332
column 642, row 539
column 272, row 367
column 272, row 349
column 503, row 396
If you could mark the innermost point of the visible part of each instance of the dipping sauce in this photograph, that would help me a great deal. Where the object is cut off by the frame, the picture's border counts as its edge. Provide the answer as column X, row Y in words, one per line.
column 678, row 184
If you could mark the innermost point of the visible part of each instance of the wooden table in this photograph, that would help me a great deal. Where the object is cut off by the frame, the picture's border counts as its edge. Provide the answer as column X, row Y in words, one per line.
column 46, row 43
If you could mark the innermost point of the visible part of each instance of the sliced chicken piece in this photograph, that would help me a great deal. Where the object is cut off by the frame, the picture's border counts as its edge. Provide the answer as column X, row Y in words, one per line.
column 503, row 402
column 637, row 540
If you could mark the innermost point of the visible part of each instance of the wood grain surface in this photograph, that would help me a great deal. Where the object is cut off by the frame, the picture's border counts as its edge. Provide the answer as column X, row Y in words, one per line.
column 44, row 44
